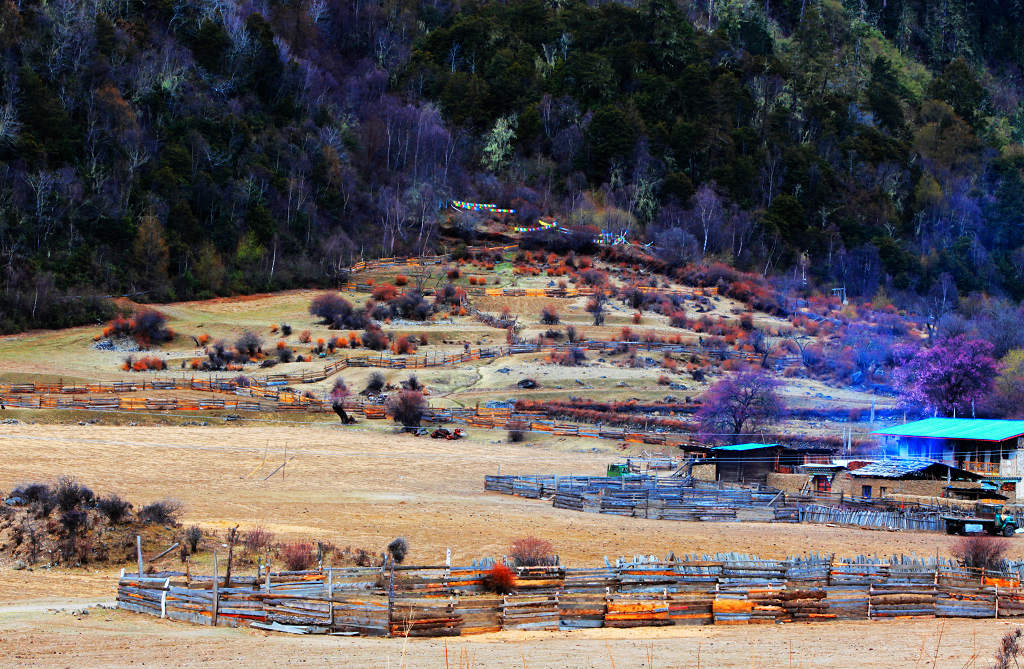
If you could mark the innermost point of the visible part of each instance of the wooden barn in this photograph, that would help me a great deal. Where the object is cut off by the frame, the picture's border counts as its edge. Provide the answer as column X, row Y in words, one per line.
column 751, row 463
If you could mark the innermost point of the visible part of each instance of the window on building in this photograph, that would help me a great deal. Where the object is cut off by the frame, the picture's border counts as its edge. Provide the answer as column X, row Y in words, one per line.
column 865, row 491
column 881, row 491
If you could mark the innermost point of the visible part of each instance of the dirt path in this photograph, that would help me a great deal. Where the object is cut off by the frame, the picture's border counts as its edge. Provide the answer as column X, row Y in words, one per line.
column 115, row 638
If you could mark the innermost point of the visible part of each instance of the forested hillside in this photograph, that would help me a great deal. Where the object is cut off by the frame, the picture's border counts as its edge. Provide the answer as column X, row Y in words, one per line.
column 173, row 149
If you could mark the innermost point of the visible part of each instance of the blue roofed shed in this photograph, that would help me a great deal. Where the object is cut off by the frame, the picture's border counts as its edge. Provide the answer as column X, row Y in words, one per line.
column 753, row 461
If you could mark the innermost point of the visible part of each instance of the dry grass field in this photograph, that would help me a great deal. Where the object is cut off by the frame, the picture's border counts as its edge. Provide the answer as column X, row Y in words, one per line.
column 363, row 486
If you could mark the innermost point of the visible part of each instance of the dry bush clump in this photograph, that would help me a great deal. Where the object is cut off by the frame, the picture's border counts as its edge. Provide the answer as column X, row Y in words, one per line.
column 407, row 407
column 500, row 580
column 257, row 539
column 374, row 384
column 549, row 315
column 532, row 552
column 297, row 555
column 163, row 512
column 980, row 552
column 403, row 345
column 114, row 508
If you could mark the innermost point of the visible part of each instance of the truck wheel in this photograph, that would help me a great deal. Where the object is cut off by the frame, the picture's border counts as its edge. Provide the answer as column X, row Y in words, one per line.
column 1009, row 530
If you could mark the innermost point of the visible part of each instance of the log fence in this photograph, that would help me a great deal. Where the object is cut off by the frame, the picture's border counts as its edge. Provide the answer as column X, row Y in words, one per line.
column 642, row 591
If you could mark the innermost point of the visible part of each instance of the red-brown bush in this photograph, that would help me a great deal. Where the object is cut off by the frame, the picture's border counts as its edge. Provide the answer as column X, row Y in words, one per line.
column 401, row 279
column 305, row 337
column 385, row 292
column 407, row 408
column 532, row 552
column 980, row 552
column 500, row 580
column 403, row 346
column 297, row 555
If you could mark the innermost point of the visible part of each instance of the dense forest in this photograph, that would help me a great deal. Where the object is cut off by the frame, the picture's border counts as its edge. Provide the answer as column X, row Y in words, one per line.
column 169, row 149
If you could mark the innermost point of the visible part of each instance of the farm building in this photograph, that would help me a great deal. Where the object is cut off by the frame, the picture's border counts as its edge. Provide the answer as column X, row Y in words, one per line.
column 992, row 448
column 906, row 476
column 747, row 463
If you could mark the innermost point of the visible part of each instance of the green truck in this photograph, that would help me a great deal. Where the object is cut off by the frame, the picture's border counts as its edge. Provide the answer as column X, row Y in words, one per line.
column 988, row 518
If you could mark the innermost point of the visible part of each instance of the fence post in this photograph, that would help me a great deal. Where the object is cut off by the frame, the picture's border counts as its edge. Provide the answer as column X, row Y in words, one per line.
column 330, row 594
column 216, row 593
column 138, row 551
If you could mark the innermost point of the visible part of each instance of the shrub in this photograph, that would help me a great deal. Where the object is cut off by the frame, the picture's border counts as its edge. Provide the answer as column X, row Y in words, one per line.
column 636, row 318
column 193, row 535
column 412, row 383
column 980, row 552
column 328, row 306
column 305, row 337
column 285, row 354
column 286, row 330
column 374, row 384
column 517, row 431
column 532, row 552
column 398, row 549
column 297, row 555
column 401, row 279
column 257, row 539
column 403, row 345
column 203, row 339
column 450, row 294
column 407, row 408
column 374, row 338
column 571, row 334
column 164, row 512
column 549, row 315
column 113, row 507
column 70, row 494
column 73, row 520
column 663, row 380
column 148, row 327
column 453, row 273
column 249, row 344
column 38, row 495
column 500, row 580
column 1011, row 650
column 385, row 292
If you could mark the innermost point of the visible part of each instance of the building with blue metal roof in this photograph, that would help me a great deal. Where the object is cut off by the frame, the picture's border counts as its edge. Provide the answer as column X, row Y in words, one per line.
column 994, row 448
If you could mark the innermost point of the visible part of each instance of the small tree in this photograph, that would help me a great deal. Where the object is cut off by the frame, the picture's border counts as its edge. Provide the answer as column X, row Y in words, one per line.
column 338, row 394
column 740, row 403
column 595, row 307
column 948, row 377
column 407, row 408
column 549, row 315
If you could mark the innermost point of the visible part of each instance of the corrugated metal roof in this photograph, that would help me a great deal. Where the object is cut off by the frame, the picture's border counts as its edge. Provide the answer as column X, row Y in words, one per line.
column 744, row 447
column 981, row 429
column 818, row 468
column 894, row 469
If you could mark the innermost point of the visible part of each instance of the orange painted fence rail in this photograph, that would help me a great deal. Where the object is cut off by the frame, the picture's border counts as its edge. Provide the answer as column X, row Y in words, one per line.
column 643, row 591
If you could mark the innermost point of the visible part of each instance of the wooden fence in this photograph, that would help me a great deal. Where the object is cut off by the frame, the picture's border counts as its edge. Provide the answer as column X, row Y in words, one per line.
column 683, row 498
column 444, row 600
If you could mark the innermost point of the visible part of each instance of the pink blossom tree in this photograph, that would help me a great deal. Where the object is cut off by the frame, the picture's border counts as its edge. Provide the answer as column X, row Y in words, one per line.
column 740, row 403
column 948, row 377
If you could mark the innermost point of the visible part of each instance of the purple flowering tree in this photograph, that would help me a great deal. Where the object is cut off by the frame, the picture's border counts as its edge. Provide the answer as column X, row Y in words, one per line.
column 740, row 403
column 948, row 377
